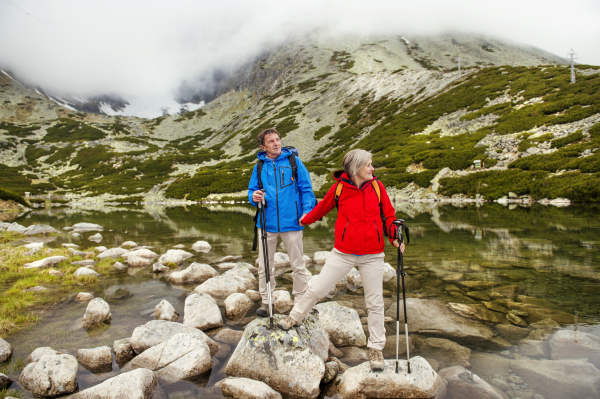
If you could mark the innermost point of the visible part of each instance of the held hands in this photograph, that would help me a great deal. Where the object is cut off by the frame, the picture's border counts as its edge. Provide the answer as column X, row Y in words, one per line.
column 258, row 196
column 300, row 220
column 396, row 244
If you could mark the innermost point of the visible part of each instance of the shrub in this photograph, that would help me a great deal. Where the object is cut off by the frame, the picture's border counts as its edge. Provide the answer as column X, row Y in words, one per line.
column 10, row 196
column 68, row 130
column 571, row 138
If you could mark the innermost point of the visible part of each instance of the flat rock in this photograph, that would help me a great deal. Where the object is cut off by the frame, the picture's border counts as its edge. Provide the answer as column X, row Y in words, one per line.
column 239, row 279
column 202, row 312
column 143, row 253
column 478, row 285
column 123, row 350
column 228, row 336
column 70, row 245
column 6, row 350
column 511, row 333
column 230, row 258
column 37, row 288
column 84, row 271
column 39, row 229
column 476, row 312
column 98, row 311
column 181, row 357
column 560, row 379
column 113, row 253
column 83, row 227
column 201, row 246
column 96, row 359
column 86, row 263
column 236, row 305
column 283, row 301
column 51, row 375
column 434, row 318
column 156, row 331
column 96, row 237
column 45, row 263
column 84, row 297
column 136, row 384
column 245, row 388
column 165, row 311
column 196, row 273
column 453, row 277
column 464, row 384
column 451, row 353
column 567, row 344
column 291, row 362
column 360, row 382
column 342, row 324
column 175, row 256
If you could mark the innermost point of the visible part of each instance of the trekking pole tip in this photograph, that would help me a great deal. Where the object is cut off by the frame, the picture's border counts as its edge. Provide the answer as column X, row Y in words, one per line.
column 408, row 367
column 396, row 367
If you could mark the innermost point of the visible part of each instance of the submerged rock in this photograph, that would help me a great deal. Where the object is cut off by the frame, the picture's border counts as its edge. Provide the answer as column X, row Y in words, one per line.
column 176, row 256
column 464, row 384
column 136, row 384
column 361, row 382
column 181, row 357
column 6, row 350
column 451, row 353
column 96, row 360
column 156, row 331
column 245, row 388
column 196, row 273
column 165, row 311
column 291, row 362
column 342, row 324
column 567, row 344
column 98, row 311
column 51, row 375
column 476, row 312
column 202, row 312
column 45, row 263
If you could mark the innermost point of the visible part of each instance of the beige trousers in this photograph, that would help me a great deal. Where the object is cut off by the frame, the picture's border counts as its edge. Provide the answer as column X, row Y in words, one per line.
column 293, row 245
column 338, row 264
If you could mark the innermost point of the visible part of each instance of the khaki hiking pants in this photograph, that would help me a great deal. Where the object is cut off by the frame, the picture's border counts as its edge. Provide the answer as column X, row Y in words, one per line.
column 338, row 264
column 293, row 245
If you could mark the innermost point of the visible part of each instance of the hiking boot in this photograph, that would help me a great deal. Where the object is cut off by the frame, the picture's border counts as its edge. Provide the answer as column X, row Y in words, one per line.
column 263, row 311
column 287, row 322
column 376, row 359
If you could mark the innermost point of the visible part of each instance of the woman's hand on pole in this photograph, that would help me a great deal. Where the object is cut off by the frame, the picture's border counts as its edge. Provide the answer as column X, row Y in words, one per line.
column 397, row 244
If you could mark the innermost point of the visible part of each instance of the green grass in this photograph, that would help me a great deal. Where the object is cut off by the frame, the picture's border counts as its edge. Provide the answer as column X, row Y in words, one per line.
column 69, row 130
column 18, row 131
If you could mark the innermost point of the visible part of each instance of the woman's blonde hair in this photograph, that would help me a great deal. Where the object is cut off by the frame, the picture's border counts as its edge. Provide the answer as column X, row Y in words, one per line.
column 354, row 160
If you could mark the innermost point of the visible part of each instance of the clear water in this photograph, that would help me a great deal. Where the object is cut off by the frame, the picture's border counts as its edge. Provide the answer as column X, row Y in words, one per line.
column 552, row 253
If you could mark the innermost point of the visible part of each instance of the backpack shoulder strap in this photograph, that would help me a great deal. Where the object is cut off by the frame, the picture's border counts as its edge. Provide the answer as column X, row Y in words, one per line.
column 259, row 166
column 292, row 159
column 338, row 192
column 377, row 189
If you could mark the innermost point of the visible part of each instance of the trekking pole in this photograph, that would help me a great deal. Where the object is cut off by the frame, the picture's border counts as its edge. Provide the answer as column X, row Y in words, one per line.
column 263, row 236
column 401, row 273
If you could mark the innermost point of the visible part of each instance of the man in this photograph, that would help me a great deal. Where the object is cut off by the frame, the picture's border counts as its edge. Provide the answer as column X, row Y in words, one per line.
column 288, row 199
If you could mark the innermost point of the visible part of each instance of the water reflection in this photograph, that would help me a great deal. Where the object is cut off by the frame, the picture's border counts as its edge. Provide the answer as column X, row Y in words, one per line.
column 473, row 255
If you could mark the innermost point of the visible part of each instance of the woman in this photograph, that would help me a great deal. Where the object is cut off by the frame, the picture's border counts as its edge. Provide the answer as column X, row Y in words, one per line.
column 359, row 242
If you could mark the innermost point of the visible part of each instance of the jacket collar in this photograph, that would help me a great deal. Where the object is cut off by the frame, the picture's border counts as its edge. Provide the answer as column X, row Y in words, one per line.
column 341, row 176
column 285, row 153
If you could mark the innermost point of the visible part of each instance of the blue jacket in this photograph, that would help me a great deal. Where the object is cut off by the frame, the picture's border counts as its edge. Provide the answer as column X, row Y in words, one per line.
column 286, row 200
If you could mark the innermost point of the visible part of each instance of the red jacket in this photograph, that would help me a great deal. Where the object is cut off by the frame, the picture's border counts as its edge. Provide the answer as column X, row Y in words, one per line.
column 358, row 228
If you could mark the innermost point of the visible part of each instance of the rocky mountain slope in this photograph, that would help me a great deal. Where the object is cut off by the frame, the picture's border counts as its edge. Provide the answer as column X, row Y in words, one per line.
column 402, row 98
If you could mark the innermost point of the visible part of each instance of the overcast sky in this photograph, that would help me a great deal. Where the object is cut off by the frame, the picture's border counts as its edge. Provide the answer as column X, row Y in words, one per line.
column 147, row 48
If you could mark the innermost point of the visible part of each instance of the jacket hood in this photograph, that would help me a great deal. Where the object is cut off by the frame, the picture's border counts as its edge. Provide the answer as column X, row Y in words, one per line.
column 341, row 176
column 284, row 154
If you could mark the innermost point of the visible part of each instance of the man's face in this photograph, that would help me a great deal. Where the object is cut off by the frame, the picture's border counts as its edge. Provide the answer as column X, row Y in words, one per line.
column 272, row 145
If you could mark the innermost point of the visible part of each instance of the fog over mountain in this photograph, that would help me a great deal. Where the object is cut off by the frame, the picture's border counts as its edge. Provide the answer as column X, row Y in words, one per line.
column 151, row 54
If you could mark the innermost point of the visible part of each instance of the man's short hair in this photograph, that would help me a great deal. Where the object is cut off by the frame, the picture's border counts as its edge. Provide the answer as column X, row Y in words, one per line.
column 354, row 160
column 261, row 135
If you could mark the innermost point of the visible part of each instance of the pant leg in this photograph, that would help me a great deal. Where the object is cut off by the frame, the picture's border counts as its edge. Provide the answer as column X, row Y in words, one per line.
column 338, row 264
column 371, row 271
column 293, row 244
column 262, row 282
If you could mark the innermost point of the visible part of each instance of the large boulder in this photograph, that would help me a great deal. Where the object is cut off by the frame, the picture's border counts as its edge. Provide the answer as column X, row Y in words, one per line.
column 342, row 324
column 97, row 311
column 291, row 362
column 45, row 263
column 175, row 256
column 245, row 388
column 567, row 344
column 136, row 384
column 156, row 331
column 433, row 318
column 236, row 305
column 282, row 301
column 196, row 273
column 462, row 384
column 559, row 379
column 96, row 359
column 181, row 357
column 112, row 253
column 201, row 311
column 165, row 311
column 239, row 279
column 361, row 382
column 51, row 375
column 5, row 350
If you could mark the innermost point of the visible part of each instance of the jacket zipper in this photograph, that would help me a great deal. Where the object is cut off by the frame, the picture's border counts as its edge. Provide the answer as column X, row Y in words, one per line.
column 297, row 213
column 344, row 233
column 378, row 236
column 276, row 194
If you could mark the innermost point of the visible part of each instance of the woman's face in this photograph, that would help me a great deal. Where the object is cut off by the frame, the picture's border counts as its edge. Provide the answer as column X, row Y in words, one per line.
column 366, row 172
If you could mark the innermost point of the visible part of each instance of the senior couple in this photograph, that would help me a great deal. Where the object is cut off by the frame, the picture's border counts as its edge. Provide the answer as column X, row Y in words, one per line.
column 359, row 231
